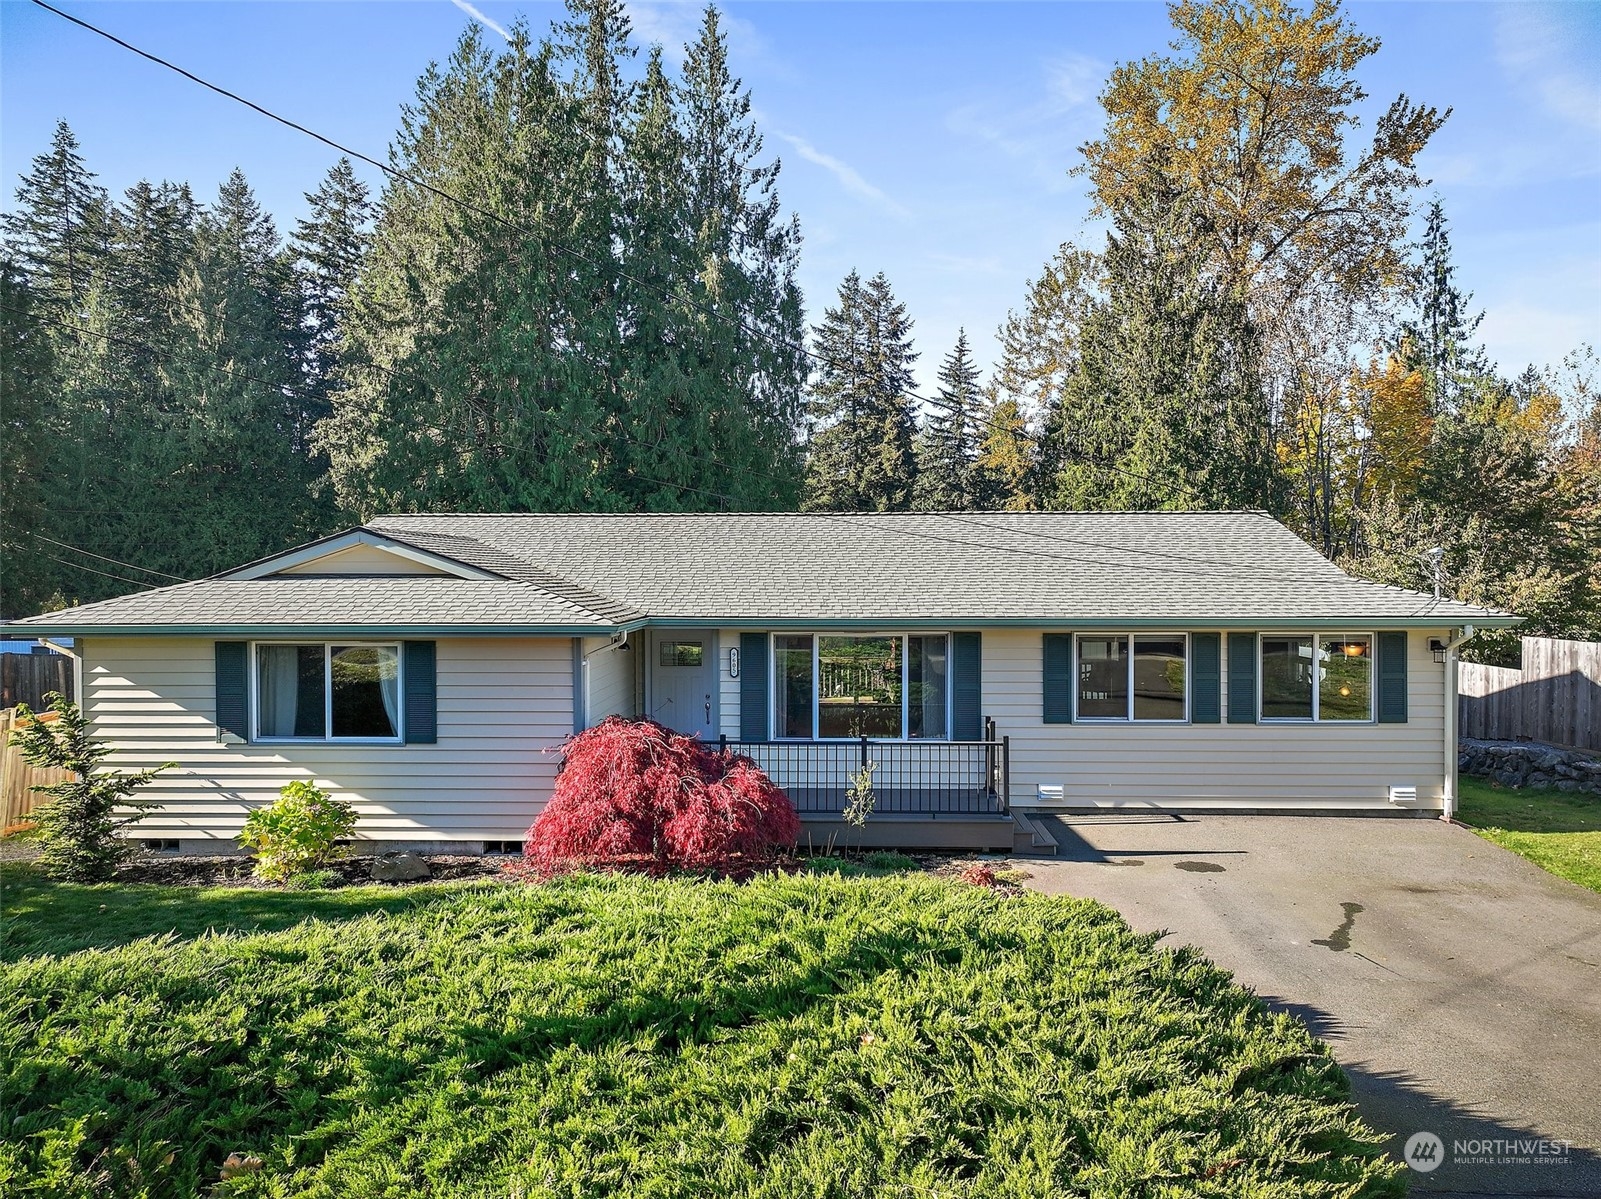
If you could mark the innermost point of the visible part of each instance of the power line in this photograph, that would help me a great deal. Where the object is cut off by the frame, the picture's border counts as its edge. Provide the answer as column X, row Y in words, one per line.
column 114, row 561
column 79, row 566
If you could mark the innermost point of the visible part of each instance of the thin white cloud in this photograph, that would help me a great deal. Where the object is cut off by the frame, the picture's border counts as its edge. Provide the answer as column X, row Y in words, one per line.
column 1541, row 55
column 849, row 177
column 480, row 18
column 1045, row 133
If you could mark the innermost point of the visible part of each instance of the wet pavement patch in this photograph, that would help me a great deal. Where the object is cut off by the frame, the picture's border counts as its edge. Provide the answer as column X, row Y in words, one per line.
column 1199, row 867
column 1340, row 939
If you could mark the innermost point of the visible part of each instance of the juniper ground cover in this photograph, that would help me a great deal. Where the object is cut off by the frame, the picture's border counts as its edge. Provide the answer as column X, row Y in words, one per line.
column 811, row 1035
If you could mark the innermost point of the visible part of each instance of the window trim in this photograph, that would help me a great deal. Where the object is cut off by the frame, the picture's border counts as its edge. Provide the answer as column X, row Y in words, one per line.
column 776, row 678
column 1317, row 703
column 1131, row 719
column 256, row 735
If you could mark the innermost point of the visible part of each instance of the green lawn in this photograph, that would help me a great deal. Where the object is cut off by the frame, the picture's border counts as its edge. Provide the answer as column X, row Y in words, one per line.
column 1558, row 831
column 805, row 1036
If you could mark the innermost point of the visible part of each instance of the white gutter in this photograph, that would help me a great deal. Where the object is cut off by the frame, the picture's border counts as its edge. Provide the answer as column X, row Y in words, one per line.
column 1448, row 791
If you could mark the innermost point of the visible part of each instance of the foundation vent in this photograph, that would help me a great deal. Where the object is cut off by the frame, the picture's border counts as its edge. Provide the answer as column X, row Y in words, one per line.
column 1402, row 795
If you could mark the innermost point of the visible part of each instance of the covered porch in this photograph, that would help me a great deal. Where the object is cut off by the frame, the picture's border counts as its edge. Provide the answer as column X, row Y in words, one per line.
column 924, row 794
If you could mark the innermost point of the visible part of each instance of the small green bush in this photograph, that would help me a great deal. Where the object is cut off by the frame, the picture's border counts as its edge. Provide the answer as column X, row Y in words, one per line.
column 297, row 832
column 314, row 880
column 79, row 829
column 884, row 859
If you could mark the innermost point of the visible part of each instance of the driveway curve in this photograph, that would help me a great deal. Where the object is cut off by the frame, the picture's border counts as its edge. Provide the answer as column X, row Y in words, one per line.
column 1459, row 985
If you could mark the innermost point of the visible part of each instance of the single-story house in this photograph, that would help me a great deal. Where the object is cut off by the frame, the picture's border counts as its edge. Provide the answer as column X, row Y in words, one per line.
column 428, row 668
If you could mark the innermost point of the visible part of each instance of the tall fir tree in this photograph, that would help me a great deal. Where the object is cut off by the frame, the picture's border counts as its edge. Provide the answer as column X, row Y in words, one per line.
column 948, row 443
column 1166, row 408
column 59, row 230
column 28, row 396
column 597, row 331
column 861, row 411
column 1439, row 339
column 329, row 247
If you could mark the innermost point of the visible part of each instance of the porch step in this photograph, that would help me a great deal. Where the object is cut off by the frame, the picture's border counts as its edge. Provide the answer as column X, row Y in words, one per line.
column 1029, row 838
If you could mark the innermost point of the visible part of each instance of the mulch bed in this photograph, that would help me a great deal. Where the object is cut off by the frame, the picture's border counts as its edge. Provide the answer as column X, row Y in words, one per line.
column 234, row 870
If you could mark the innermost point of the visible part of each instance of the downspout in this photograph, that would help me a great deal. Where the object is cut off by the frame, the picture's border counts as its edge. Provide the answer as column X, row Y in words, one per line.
column 1448, row 791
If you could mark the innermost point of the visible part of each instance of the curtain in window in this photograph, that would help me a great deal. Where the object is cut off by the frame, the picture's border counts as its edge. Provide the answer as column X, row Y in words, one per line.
column 389, row 684
column 278, row 689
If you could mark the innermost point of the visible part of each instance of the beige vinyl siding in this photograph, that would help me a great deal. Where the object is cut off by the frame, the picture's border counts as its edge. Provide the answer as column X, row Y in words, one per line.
column 363, row 560
column 502, row 703
column 1284, row 766
column 728, row 686
column 609, row 675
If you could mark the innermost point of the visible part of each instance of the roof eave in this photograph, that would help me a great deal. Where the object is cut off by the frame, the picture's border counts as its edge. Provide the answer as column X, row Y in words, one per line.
column 320, row 630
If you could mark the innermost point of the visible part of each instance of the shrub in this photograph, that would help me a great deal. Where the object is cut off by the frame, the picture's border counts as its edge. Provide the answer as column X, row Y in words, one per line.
column 314, row 880
column 77, row 830
column 297, row 832
column 632, row 793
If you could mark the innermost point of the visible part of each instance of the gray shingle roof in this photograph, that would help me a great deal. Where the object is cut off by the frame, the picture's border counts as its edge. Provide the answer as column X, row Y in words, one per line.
column 576, row 573
column 1007, row 566
column 352, row 602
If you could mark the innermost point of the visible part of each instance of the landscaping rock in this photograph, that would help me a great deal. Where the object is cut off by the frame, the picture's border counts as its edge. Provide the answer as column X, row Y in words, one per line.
column 399, row 868
column 1527, row 764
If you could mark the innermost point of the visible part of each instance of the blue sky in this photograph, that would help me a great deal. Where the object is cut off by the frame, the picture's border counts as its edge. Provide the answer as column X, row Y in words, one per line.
column 930, row 141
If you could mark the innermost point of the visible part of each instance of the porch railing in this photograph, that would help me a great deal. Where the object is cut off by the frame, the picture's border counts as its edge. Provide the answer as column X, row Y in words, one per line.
column 929, row 778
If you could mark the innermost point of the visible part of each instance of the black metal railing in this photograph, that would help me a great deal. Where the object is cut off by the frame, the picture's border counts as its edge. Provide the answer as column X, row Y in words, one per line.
column 969, row 778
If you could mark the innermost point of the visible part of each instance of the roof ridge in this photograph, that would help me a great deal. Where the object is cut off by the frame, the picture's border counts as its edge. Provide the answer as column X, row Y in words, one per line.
column 1159, row 512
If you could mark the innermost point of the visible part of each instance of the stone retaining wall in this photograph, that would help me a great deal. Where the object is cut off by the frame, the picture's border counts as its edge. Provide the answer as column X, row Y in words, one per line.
column 1529, row 764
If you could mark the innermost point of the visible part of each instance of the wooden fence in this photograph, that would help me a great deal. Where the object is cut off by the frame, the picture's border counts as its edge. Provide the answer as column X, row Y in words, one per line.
column 1555, row 698
column 28, row 678
column 17, row 778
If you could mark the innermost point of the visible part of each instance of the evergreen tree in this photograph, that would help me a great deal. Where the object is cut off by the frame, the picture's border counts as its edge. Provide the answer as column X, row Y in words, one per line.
column 240, row 486
column 597, row 331
column 1439, row 340
column 860, row 407
column 59, row 230
column 1166, row 408
column 329, row 246
column 948, row 444
column 28, row 389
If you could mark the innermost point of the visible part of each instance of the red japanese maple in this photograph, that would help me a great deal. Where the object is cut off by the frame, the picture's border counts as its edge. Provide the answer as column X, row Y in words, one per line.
column 633, row 794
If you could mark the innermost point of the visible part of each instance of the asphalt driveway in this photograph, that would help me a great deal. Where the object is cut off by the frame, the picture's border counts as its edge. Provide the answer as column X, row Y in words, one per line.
column 1458, row 985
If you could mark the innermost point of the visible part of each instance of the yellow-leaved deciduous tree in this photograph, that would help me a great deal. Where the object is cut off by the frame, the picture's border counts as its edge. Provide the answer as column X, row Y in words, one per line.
column 1006, row 456
column 1249, row 116
column 1395, row 404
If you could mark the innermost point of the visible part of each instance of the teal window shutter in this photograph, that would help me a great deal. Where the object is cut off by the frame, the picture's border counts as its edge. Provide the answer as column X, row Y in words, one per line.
column 1392, row 678
column 1206, row 678
column 967, row 687
column 1058, row 678
column 422, row 693
column 1242, row 678
column 233, row 688
column 753, row 689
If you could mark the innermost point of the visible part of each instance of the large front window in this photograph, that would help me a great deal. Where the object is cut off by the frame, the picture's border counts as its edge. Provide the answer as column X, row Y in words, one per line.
column 1131, row 677
column 328, row 692
column 1307, row 677
column 885, row 686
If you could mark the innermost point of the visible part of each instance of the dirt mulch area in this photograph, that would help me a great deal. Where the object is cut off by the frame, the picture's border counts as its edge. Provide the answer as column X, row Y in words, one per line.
column 234, row 870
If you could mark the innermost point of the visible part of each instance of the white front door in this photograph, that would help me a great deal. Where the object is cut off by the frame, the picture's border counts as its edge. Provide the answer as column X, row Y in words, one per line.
column 682, row 676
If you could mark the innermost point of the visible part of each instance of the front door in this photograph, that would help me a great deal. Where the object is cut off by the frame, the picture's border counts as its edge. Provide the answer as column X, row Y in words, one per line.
column 683, row 673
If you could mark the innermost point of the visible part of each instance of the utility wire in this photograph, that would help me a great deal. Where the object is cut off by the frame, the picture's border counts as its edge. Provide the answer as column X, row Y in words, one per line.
column 114, row 561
